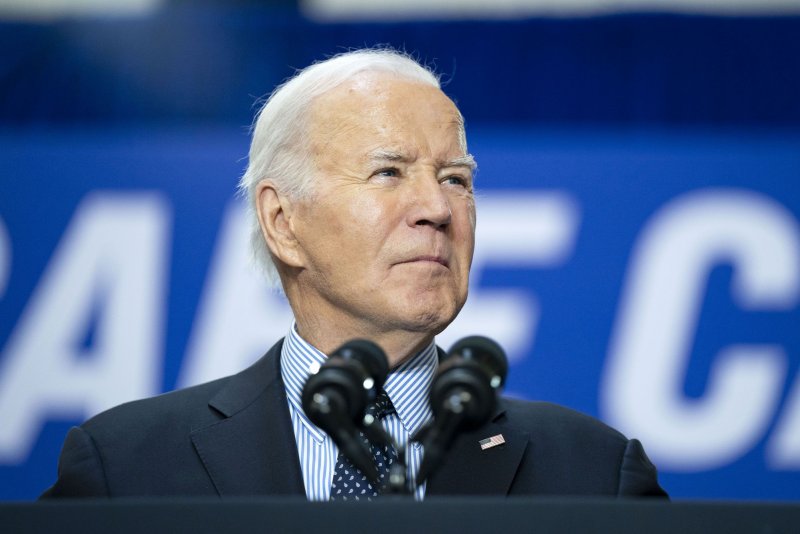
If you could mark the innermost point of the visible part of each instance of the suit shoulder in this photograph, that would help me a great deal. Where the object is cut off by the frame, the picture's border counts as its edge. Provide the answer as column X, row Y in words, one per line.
column 188, row 409
column 139, row 447
column 545, row 419
column 571, row 453
column 179, row 408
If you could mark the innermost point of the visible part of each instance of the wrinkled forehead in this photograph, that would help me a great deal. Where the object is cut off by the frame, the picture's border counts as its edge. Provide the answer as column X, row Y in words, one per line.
column 376, row 103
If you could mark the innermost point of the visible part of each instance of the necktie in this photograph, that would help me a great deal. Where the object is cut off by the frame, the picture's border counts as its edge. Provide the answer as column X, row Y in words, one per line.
column 349, row 483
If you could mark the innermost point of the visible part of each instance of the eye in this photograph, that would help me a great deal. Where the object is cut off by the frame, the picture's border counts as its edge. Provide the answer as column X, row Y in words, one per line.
column 456, row 179
column 388, row 172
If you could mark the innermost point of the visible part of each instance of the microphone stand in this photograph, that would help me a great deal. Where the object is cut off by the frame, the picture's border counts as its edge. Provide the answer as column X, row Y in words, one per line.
column 326, row 408
column 439, row 433
column 399, row 482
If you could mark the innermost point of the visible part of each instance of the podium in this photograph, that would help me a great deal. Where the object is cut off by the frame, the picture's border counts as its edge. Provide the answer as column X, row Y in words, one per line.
column 386, row 516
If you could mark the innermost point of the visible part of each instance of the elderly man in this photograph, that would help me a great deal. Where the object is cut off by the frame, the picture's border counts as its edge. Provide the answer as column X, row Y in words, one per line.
column 361, row 188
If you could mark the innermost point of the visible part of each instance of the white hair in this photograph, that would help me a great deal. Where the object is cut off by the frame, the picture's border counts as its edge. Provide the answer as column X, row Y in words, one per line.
column 280, row 147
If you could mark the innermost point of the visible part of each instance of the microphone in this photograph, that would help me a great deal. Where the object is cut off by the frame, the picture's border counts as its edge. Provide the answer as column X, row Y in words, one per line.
column 463, row 396
column 335, row 397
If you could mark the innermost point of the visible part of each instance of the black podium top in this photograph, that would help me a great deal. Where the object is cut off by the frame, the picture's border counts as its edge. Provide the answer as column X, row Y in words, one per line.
column 387, row 516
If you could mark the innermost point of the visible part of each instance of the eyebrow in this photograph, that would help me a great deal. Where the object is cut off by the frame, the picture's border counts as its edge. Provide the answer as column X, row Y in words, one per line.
column 467, row 160
column 387, row 155
column 463, row 161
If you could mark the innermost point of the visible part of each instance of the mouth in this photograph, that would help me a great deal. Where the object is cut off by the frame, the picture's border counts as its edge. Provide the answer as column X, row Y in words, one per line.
column 429, row 259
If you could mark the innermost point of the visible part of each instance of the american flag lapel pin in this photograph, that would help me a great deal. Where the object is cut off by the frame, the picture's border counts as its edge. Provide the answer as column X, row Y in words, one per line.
column 493, row 441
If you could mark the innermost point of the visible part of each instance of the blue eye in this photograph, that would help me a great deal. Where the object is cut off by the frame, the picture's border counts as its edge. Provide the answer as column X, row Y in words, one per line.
column 389, row 171
column 456, row 180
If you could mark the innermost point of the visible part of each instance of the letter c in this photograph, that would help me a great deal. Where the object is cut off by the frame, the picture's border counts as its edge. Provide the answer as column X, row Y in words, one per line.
column 642, row 389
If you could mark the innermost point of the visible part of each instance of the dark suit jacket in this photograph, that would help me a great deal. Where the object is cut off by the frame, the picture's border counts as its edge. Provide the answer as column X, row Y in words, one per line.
column 234, row 436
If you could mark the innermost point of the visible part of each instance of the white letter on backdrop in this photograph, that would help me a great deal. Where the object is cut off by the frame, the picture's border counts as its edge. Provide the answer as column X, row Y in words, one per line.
column 642, row 392
column 110, row 266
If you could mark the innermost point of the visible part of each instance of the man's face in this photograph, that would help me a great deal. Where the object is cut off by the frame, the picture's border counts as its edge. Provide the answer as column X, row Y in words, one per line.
column 388, row 236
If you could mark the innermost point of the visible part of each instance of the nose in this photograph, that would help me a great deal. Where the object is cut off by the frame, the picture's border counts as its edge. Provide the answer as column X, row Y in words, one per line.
column 430, row 205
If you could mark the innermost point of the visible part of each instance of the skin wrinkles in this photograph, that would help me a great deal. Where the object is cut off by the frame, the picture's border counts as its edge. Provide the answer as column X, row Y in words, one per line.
column 383, row 248
column 381, row 155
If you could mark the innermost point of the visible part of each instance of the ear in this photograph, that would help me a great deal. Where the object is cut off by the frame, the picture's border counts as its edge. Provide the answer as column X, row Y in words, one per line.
column 275, row 212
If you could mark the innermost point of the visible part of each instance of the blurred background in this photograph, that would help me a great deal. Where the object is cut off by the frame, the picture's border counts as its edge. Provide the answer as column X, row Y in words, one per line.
column 639, row 194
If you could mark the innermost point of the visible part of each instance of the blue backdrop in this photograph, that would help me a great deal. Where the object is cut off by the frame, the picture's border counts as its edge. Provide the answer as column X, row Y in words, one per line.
column 638, row 236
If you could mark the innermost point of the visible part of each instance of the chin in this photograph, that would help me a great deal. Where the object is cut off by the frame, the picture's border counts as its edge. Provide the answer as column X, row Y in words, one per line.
column 432, row 319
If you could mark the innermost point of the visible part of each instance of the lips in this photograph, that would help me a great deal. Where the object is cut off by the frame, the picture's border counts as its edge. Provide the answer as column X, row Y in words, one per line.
column 432, row 259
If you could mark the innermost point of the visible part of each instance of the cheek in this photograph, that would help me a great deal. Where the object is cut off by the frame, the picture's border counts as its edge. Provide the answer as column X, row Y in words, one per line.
column 465, row 234
column 369, row 222
column 346, row 237
column 466, row 247
column 369, row 207
column 321, row 233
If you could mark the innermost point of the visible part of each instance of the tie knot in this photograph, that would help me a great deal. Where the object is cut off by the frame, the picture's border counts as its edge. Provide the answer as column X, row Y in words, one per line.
column 381, row 406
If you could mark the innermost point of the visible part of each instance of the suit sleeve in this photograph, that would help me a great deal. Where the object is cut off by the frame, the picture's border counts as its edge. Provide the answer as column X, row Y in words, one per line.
column 80, row 469
column 637, row 474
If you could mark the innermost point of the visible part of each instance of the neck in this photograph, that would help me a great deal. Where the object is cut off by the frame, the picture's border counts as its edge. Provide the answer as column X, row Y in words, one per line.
column 398, row 345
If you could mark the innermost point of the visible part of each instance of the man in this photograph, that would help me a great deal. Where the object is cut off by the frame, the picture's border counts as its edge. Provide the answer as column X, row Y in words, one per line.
column 360, row 184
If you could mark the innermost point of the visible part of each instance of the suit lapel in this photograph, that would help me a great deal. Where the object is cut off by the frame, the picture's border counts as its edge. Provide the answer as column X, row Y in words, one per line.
column 469, row 470
column 251, row 451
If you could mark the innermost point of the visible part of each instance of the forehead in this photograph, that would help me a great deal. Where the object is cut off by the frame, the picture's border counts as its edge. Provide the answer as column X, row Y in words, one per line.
column 383, row 111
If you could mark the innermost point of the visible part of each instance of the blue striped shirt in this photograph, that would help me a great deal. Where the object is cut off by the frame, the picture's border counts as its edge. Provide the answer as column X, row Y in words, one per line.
column 408, row 387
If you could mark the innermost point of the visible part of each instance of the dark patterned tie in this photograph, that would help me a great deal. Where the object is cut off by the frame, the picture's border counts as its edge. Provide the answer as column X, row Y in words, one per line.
column 349, row 483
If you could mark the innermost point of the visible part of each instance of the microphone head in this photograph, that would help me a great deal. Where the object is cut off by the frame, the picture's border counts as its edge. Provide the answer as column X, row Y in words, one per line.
column 337, row 388
column 354, row 374
column 487, row 354
column 370, row 356
column 468, row 380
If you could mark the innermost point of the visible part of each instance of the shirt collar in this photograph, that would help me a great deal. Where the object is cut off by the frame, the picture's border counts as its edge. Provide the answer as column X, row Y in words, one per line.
column 408, row 385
